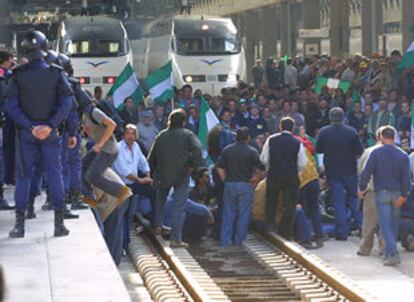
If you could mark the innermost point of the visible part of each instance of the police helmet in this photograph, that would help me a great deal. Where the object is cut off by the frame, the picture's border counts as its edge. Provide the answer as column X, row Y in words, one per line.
column 35, row 45
column 52, row 57
column 84, row 101
column 66, row 63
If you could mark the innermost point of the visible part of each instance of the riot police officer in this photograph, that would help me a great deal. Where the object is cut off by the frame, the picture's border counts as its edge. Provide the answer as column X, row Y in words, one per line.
column 6, row 63
column 38, row 100
column 71, row 158
column 68, row 129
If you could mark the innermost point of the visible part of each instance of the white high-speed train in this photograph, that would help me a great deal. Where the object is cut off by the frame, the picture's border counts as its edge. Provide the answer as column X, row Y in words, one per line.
column 206, row 52
column 98, row 47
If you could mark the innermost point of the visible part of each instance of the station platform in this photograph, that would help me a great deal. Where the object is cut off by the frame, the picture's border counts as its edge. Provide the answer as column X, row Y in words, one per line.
column 384, row 283
column 42, row 268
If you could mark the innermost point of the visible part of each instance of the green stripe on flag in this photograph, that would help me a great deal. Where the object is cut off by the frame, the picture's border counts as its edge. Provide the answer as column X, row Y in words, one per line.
column 208, row 120
column 408, row 58
column 331, row 83
column 126, row 85
column 160, row 84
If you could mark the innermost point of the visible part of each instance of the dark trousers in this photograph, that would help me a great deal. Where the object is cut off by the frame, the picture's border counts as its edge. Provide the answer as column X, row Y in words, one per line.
column 48, row 151
column 9, row 149
column 180, row 196
column 93, row 168
column 71, row 162
column 344, row 195
column 288, row 190
column 309, row 198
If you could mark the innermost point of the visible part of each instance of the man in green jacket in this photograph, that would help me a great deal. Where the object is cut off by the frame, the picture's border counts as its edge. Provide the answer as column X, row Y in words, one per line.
column 175, row 154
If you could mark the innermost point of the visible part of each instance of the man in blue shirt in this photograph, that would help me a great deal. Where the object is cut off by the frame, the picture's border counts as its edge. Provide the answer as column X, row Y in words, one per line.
column 390, row 168
column 341, row 146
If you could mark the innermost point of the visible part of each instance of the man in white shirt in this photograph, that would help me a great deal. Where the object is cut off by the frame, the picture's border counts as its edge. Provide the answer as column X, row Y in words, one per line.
column 129, row 162
column 284, row 158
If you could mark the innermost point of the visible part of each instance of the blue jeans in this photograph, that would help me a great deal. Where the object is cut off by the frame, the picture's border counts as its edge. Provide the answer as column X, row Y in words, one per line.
column 93, row 173
column 302, row 227
column 179, row 196
column 195, row 223
column 137, row 204
column 309, row 198
column 237, row 202
column 344, row 194
column 388, row 217
column 114, row 231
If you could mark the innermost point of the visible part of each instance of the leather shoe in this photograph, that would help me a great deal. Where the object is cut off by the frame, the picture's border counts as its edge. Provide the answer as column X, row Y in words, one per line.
column 68, row 214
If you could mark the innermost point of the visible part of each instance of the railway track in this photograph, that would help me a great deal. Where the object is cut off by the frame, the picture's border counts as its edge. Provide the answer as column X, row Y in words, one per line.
column 264, row 268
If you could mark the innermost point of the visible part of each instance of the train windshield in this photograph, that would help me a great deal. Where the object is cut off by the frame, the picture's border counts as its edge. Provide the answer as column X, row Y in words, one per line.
column 199, row 37
column 94, row 43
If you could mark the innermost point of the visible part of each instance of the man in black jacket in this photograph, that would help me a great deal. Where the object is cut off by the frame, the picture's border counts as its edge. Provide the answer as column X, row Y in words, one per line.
column 341, row 147
column 284, row 157
column 175, row 154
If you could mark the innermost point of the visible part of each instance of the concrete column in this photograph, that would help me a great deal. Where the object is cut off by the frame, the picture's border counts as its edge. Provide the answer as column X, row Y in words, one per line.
column 251, row 30
column 372, row 26
column 4, row 26
column 339, row 33
column 288, row 28
column 407, row 22
column 311, row 20
column 269, row 28
column 236, row 21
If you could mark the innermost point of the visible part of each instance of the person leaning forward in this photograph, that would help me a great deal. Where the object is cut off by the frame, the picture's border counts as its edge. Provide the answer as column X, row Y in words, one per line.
column 284, row 157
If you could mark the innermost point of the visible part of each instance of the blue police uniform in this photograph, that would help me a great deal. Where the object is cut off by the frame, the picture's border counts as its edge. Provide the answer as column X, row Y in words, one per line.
column 39, row 94
column 71, row 159
column 4, row 76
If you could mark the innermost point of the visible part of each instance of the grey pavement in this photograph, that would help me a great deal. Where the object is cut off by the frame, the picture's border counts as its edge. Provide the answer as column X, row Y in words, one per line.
column 42, row 268
column 384, row 283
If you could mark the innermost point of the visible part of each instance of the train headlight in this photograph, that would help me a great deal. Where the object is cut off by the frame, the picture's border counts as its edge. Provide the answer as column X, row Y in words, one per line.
column 232, row 78
column 204, row 27
column 188, row 79
column 84, row 80
column 109, row 80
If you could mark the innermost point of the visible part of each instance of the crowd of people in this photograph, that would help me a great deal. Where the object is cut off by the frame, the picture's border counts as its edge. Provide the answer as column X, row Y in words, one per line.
column 284, row 156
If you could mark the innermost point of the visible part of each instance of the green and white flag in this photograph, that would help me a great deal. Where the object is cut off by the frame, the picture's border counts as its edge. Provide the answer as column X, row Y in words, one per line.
column 160, row 83
column 408, row 58
column 331, row 84
column 208, row 120
column 126, row 85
